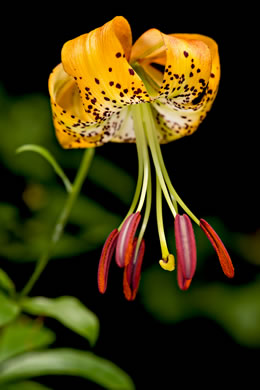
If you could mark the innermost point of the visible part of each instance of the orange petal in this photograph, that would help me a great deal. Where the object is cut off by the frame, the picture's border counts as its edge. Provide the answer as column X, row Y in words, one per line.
column 71, row 129
column 186, row 94
column 186, row 70
column 93, row 86
column 98, row 61
column 224, row 258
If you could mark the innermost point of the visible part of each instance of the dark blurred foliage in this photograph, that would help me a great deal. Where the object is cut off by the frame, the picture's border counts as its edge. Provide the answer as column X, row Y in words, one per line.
column 211, row 333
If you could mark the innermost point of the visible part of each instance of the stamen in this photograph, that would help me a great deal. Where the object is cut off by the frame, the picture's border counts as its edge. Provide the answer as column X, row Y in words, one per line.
column 160, row 166
column 224, row 258
column 186, row 250
column 167, row 261
column 147, row 187
column 132, row 273
column 125, row 243
column 105, row 260
column 148, row 125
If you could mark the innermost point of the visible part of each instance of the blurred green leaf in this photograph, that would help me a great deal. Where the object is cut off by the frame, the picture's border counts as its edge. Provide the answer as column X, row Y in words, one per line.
column 26, row 120
column 161, row 296
column 6, row 283
column 66, row 362
column 25, row 240
column 248, row 246
column 112, row 178
column 69, row 311
column 27, row 385
column 8, row 309
column 235, row 308
column 22, row 336
column 51, row 160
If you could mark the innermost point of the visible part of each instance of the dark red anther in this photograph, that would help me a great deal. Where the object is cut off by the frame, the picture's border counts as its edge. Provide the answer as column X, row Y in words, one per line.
column 186, row 250
column 224, row 258
column 132, row 272
column 125, row 243
column 105, row 260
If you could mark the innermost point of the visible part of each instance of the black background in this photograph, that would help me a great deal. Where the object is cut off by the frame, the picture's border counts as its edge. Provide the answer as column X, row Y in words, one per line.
column 218, row 165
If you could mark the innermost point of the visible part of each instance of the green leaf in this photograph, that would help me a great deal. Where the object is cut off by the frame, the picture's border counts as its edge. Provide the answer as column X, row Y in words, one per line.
column 66, row 362
column 27, row 385
column 235, row 308
column 28, row 120
column 69, row 311
column 8, row 309
column 22, row 336
column 25, row 240
column 6, row 283
column 47, row 155
column 112, row 178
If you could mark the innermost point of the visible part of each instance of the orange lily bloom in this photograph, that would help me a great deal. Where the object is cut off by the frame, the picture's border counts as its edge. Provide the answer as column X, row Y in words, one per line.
column 150, row 93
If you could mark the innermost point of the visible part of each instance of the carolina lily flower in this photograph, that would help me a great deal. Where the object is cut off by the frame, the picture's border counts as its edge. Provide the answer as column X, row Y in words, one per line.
column 150, row 93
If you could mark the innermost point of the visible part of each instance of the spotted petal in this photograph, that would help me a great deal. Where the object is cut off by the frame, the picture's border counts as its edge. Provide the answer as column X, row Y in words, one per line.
column 95, row 83
column 184, row 70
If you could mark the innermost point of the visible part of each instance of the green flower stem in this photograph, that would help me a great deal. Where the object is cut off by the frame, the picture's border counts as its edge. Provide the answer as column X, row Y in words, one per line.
column 62, row 220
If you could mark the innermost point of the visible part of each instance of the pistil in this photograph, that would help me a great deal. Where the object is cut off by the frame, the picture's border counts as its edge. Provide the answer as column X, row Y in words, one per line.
column 165, row 182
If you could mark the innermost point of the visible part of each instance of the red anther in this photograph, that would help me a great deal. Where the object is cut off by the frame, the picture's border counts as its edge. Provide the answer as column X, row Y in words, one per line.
column 132, row 272
column 124, row 248
column 224, row 258
column 186, row 250
column 105, row 260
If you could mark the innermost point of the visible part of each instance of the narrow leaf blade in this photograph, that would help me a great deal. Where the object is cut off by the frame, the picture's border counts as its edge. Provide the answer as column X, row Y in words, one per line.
column 8, row 310
column 66, row 362
column 6, row 283
column 69, row 311
column 47, row 155
column 22, row 336
column 25, row 385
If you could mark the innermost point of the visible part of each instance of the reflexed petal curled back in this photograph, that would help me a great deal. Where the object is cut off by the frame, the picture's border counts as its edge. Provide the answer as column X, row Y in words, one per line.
column 125, row 243
column 105, row 260
column 132, row 272
column 186, row 250
column 101, row 74
column 94, row 83
column 184, row 71
column 224, row 258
